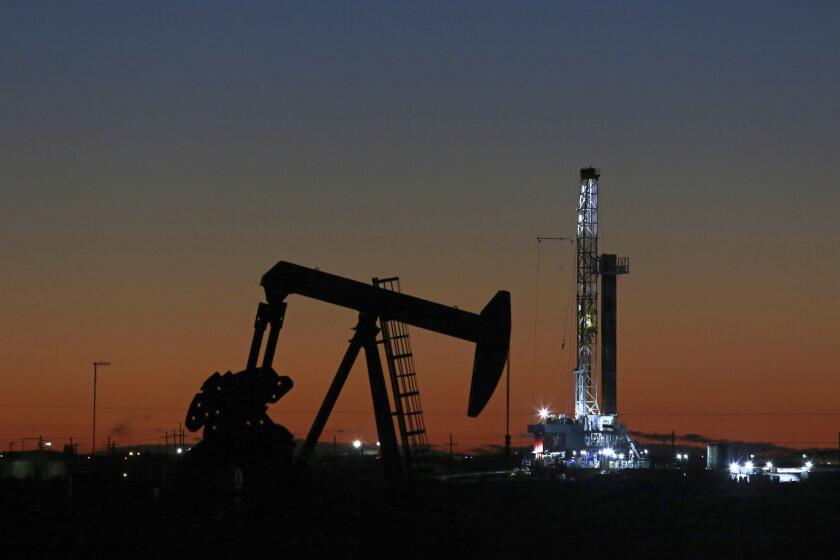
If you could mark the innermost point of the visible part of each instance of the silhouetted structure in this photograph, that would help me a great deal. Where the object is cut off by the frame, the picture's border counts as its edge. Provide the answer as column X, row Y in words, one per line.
column 405, row 390
column 610, row 267
column 232, row 407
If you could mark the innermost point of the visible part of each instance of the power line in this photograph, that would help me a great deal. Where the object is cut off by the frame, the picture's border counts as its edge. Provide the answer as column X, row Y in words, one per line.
column 435, row 413
column 80, row 406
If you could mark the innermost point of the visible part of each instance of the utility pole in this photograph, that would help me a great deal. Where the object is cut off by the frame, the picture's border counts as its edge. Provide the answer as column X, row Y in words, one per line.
column 96, row 365
column 673, row 445
column 507, row 409
column 451, row 454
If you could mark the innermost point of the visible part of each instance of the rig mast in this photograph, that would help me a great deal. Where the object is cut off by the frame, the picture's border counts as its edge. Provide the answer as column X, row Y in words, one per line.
column 586, row 396
column 593, row 438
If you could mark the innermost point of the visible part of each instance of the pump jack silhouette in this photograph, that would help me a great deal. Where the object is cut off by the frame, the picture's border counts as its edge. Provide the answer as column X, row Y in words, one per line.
column 232, row 407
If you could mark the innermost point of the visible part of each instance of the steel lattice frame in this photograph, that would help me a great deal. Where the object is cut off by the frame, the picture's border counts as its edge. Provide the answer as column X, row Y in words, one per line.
column 586, row 398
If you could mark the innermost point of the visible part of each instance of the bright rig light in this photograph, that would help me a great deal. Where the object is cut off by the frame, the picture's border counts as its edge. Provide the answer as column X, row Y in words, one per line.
column 543, row 413
column 734, row 468
column 357, row 443
column 748, row 465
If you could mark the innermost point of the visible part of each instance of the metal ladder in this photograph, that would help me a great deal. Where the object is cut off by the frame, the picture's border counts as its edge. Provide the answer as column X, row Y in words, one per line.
column 407, row 406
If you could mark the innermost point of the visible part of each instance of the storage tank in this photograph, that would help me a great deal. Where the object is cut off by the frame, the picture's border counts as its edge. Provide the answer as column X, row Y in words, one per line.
column 718, row 457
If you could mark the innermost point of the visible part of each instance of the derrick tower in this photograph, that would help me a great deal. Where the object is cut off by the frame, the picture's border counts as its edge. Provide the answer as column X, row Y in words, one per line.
column 593, row 438
column 586, row 396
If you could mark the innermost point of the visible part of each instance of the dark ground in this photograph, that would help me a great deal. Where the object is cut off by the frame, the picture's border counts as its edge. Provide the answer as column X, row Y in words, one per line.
column 346, row 511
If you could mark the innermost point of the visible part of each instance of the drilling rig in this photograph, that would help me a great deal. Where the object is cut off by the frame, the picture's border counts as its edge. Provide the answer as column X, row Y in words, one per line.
column 593, row 437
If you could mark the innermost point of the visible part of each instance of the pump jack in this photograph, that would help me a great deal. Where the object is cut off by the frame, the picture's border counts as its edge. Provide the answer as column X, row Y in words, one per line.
column 233, row 413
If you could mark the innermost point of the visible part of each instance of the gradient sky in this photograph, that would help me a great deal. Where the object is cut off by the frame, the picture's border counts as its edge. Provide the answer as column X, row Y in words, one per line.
column 157, row 158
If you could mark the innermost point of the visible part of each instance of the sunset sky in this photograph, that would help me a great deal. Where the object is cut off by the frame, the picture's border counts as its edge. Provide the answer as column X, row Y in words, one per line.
column 157, row 158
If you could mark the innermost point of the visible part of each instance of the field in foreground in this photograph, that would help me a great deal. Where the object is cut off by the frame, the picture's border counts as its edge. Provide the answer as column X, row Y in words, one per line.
column 348, row 511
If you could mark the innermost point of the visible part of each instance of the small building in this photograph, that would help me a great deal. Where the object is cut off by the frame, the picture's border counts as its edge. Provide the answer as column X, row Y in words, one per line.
column 34, row 464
